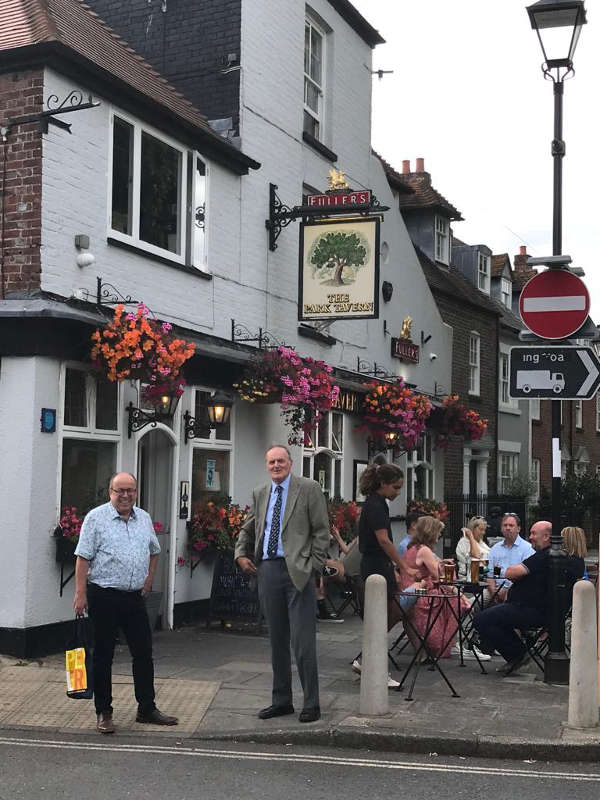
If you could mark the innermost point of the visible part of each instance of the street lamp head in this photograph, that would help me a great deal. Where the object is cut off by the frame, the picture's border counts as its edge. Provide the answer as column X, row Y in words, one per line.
column 558, row 25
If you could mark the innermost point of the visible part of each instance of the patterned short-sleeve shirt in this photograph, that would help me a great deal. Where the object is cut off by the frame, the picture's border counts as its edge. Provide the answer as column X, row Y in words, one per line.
column 118, row 550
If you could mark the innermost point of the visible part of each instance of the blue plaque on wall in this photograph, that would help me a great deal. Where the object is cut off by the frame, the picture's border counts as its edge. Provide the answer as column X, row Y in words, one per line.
column 48, row 420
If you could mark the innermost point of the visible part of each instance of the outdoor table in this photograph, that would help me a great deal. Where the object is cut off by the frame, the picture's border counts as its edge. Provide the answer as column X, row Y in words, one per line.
column 433, row 660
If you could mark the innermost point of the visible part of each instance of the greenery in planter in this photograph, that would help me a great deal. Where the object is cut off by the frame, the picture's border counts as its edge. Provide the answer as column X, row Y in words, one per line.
column 214, row 527
column 452, row 418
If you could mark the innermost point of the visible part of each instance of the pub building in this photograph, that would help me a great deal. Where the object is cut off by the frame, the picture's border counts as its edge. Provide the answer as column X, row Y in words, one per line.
column 132, row 197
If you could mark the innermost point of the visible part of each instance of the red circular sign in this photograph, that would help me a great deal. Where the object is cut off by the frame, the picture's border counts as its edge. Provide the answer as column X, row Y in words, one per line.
column 554, row 304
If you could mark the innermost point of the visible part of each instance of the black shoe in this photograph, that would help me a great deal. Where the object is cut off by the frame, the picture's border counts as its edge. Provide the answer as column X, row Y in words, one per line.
column 275, row 711
column 515, row 665
column 309, row 714
column 324, row 615
column 156, row 717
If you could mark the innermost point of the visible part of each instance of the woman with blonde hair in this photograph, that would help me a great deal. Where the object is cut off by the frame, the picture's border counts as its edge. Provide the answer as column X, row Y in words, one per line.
column 576, row 549
column 420, row 557
column 471, row 545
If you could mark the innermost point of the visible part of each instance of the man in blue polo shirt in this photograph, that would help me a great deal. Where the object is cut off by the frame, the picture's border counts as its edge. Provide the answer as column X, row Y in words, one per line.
column 507, row 553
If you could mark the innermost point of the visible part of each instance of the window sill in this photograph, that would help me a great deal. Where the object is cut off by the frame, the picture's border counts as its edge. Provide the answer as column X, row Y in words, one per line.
column 319, row 147
column 506, row 409
column 132, row 248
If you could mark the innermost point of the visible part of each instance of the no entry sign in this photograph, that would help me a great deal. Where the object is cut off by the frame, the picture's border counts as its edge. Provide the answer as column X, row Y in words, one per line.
column 554, row 304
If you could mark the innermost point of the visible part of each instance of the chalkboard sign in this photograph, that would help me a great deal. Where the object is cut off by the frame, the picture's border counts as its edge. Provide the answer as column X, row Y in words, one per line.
column 233, row 594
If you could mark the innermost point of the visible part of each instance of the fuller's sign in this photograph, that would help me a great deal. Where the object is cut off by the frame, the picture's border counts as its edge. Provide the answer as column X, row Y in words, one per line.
column 405, row 350
column 337, row 199
column 339, row 269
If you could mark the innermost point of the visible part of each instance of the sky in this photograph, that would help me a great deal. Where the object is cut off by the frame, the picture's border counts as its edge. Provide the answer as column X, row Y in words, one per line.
column 467, row 94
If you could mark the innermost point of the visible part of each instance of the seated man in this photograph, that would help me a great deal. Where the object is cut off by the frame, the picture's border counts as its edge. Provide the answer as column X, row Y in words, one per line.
column 411, row 524
column 507, row 553
column 526, row 605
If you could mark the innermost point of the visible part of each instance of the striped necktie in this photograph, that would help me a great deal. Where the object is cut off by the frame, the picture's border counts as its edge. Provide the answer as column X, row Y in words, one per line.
column 275, row 525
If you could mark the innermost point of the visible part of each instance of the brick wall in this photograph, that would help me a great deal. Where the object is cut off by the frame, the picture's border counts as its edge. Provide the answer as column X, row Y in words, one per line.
column 20, row 183
column 463, row 321
column 572, row 438
column 187, row 42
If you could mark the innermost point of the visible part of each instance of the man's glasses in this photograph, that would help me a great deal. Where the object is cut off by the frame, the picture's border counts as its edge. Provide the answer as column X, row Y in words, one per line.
column 512, row 514
column 122, row 492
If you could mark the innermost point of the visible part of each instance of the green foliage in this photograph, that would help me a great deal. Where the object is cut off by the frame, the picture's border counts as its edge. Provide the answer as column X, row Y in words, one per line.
column 579, row 494
column 338, row 250
column 522, row 485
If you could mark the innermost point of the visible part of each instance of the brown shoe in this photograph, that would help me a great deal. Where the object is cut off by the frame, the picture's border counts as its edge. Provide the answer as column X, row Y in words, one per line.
column 156, row 717
column 105, row 723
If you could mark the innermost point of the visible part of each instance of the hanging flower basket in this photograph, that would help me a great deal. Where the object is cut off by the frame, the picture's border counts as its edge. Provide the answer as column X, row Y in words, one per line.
column 66, row 534
column 214, row 527
column 163, row 397
column 428, row 508
column 394, row 414
column 452, row 419
column 303, row 386
column 133, row 346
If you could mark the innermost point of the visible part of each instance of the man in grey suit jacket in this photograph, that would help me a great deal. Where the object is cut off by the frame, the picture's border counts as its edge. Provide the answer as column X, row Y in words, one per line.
column 284, row 541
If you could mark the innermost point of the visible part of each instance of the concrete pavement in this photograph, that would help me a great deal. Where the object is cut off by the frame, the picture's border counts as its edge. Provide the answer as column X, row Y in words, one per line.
column 216, row 679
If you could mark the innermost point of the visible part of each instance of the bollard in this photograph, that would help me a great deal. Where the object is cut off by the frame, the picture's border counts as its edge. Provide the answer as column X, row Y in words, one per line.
column 374, row 675
column 583, row 677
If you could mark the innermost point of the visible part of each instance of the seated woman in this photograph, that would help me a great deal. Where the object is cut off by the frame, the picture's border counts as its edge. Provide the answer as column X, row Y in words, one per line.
column 576, row 549
column 420, row 557
column 471, row 545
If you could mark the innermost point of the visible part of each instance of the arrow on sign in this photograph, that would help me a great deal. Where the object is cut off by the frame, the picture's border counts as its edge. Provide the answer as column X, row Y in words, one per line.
column 592, row 372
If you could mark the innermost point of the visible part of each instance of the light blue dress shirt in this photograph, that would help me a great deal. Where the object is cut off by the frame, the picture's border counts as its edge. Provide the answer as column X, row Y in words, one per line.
column 504, row 556
column 285, row 485
column 403, row 546
column 118, row 551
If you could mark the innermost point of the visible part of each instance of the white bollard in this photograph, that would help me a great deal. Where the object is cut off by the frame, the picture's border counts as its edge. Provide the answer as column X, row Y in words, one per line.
column 583, row 676
column 374, row 674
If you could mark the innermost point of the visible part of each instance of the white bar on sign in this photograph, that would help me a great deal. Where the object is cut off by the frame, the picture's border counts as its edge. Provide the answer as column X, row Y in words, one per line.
column 575, row 302
column 556, row 465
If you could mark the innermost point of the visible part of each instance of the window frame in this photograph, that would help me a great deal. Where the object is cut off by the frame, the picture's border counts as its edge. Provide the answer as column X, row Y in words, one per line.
column 506, row 291
column 425, row 449
column 183, row 201
column 534, row 403
column 475, row 366
column 336, row 457
column 535, row 477
column 318, row 116
column 485, row 260
column 578, row 407
column 442, row 239
column 194, row 156
column 511, row 458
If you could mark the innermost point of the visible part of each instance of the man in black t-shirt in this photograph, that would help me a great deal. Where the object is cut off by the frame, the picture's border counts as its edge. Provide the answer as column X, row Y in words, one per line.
column 526, row 605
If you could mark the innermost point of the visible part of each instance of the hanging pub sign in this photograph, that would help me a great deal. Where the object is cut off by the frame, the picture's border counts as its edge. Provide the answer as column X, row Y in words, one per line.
column 337, row 199
column 339, row 269
column 403, row 347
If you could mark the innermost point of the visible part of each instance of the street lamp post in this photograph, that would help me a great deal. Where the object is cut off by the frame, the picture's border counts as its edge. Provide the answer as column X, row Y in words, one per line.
column 558, row 25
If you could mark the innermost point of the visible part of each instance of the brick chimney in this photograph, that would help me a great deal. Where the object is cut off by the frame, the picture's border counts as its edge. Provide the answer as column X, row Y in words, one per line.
column 406, row 167
column 523, row 272
column 420, row 165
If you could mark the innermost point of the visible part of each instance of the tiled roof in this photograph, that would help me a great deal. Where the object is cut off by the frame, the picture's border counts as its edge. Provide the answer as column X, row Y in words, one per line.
column 394, row 178
column 366, row 31
column 425, row 196
column 453, row 283
column 71, row 29
column 498, row 264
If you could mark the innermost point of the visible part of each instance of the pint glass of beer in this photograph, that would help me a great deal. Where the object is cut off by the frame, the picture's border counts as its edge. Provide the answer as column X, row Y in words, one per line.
column 475, row 570
column 448, row 571
column 497, row 570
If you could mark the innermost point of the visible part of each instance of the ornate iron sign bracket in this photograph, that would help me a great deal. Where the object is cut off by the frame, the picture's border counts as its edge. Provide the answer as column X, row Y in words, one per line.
column 106, row 295
column 266, row 340
column 281, row 215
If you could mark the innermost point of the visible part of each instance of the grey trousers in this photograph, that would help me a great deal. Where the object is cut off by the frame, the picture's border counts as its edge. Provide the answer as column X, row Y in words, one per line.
column 291, row 616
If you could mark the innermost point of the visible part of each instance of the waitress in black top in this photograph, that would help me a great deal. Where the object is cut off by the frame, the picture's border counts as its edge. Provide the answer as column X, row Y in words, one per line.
column 379, row 483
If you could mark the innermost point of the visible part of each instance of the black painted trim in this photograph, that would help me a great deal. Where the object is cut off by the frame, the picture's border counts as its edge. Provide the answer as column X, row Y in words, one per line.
column 192, row 611
column 132, row 248
column 319, row 147
column 357, row 22
column 40, row 640
column 311, row 333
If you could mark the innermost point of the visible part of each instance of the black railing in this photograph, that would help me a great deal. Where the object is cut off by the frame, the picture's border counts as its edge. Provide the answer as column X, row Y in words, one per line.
column 490, row 507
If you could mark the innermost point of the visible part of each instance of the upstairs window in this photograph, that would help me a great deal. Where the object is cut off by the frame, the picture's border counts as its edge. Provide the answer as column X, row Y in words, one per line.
column 474, row 365
column 579, row 413
column 442, row 240
column 147, row 190
column 314, row 40
column 506, row 292
column 198, row 225
column 504, row 379
column 534, row 408
column 483, row 272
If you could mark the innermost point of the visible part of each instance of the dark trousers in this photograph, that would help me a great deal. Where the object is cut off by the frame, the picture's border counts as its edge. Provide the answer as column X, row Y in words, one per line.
column 109, row 610
column 291, row 617
column 496, row 626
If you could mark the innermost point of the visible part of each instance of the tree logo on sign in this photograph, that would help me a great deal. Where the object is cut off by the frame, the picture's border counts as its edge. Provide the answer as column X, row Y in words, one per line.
column 337, row 257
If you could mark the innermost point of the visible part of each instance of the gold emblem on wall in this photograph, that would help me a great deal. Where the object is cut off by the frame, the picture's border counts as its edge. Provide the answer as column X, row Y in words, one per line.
column 337, row 180
column 406, row 325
